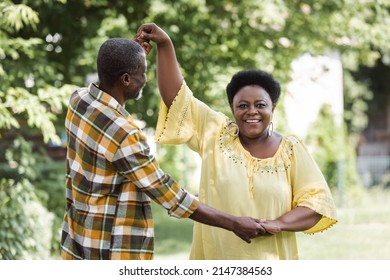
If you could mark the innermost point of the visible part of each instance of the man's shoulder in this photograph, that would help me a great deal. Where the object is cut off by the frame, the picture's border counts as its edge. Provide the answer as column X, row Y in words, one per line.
column 80, row 91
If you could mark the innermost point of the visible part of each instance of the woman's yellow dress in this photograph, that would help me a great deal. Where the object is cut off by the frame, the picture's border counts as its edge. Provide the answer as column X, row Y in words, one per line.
column 235, row 182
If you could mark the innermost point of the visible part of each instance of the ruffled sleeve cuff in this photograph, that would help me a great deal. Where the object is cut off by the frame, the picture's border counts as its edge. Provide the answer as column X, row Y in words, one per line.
column 322, row 203
column 175, row 125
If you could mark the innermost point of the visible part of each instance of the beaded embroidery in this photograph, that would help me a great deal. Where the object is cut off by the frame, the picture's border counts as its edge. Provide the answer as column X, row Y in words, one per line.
column 228, row 145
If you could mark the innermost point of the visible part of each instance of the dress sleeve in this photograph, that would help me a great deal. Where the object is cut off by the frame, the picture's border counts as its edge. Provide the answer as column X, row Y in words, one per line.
column 188, row 120
column 134, row 161
column 310, row 188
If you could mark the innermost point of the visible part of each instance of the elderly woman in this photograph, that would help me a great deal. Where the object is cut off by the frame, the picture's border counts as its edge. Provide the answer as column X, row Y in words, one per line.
column 247, row 168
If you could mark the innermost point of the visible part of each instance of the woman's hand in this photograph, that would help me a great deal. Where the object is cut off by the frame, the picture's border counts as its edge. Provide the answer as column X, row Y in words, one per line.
column 271, row 227
column 169, row 77
column 151, row 32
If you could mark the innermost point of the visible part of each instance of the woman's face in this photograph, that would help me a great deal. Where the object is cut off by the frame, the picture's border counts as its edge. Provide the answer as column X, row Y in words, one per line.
column 252, row 109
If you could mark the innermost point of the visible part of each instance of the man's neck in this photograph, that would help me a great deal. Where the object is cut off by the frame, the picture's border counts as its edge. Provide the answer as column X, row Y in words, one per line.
column 115, row 93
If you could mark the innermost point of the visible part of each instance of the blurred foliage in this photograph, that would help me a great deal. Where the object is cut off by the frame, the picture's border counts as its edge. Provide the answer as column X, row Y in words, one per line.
column 180, row 162
column 213, row 39
column 49, row 47
column 332, row 151
column 51, row 194
column 356, row 96
column 26, row 226
column 326, row 140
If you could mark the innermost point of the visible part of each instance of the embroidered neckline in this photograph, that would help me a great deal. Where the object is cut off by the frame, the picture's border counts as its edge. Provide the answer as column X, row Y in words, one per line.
column 230, row 145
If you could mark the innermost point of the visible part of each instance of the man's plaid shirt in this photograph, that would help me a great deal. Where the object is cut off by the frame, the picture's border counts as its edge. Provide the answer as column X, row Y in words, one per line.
column 111, row 177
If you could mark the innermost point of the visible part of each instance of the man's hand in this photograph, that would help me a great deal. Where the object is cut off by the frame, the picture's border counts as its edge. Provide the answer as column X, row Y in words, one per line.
column 248, row 228
column 245, row 228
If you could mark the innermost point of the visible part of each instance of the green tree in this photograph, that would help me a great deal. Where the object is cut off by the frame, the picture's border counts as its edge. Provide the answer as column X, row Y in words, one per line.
column 327, row 145
column 29, row 104
column 26, row 225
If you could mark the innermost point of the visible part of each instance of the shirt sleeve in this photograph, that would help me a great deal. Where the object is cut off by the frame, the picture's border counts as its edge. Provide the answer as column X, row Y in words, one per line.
column 310, row 188
column 188, row 120
column 134, row 161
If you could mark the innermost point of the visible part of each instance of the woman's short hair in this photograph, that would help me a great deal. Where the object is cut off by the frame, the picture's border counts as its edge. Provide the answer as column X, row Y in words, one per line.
column 117, row 56
column 253, row 77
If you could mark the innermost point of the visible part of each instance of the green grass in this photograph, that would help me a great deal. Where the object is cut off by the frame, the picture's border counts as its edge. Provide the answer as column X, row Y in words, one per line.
column 362, row 232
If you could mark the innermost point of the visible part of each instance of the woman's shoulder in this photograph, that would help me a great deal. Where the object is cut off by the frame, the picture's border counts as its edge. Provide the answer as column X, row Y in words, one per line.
column 296, row 145
column 290, row 143
column 288, row 140
column 292, row 138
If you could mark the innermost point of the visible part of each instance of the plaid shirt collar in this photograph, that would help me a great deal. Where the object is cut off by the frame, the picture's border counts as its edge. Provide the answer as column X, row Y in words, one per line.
column 108, row 100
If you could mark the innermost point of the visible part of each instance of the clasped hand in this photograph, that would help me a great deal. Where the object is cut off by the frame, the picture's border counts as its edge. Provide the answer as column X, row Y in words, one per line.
column 268, row 227
column 248, row 228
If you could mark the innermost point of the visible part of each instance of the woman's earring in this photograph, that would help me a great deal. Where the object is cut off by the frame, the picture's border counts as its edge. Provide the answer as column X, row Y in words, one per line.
column 233, row 129
column 270, row 129
column 237, row 131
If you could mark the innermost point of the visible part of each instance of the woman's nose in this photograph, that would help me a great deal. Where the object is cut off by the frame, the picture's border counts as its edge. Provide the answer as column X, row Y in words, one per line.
column 252, row 110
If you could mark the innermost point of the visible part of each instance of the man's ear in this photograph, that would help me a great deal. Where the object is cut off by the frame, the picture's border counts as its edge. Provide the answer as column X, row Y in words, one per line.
column 126, row 79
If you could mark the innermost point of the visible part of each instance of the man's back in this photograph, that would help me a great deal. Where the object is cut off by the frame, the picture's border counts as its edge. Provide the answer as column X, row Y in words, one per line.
column 107, row 216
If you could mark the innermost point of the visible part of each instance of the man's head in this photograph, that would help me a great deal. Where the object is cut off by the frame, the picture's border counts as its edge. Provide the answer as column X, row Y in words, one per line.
column 121, row 63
